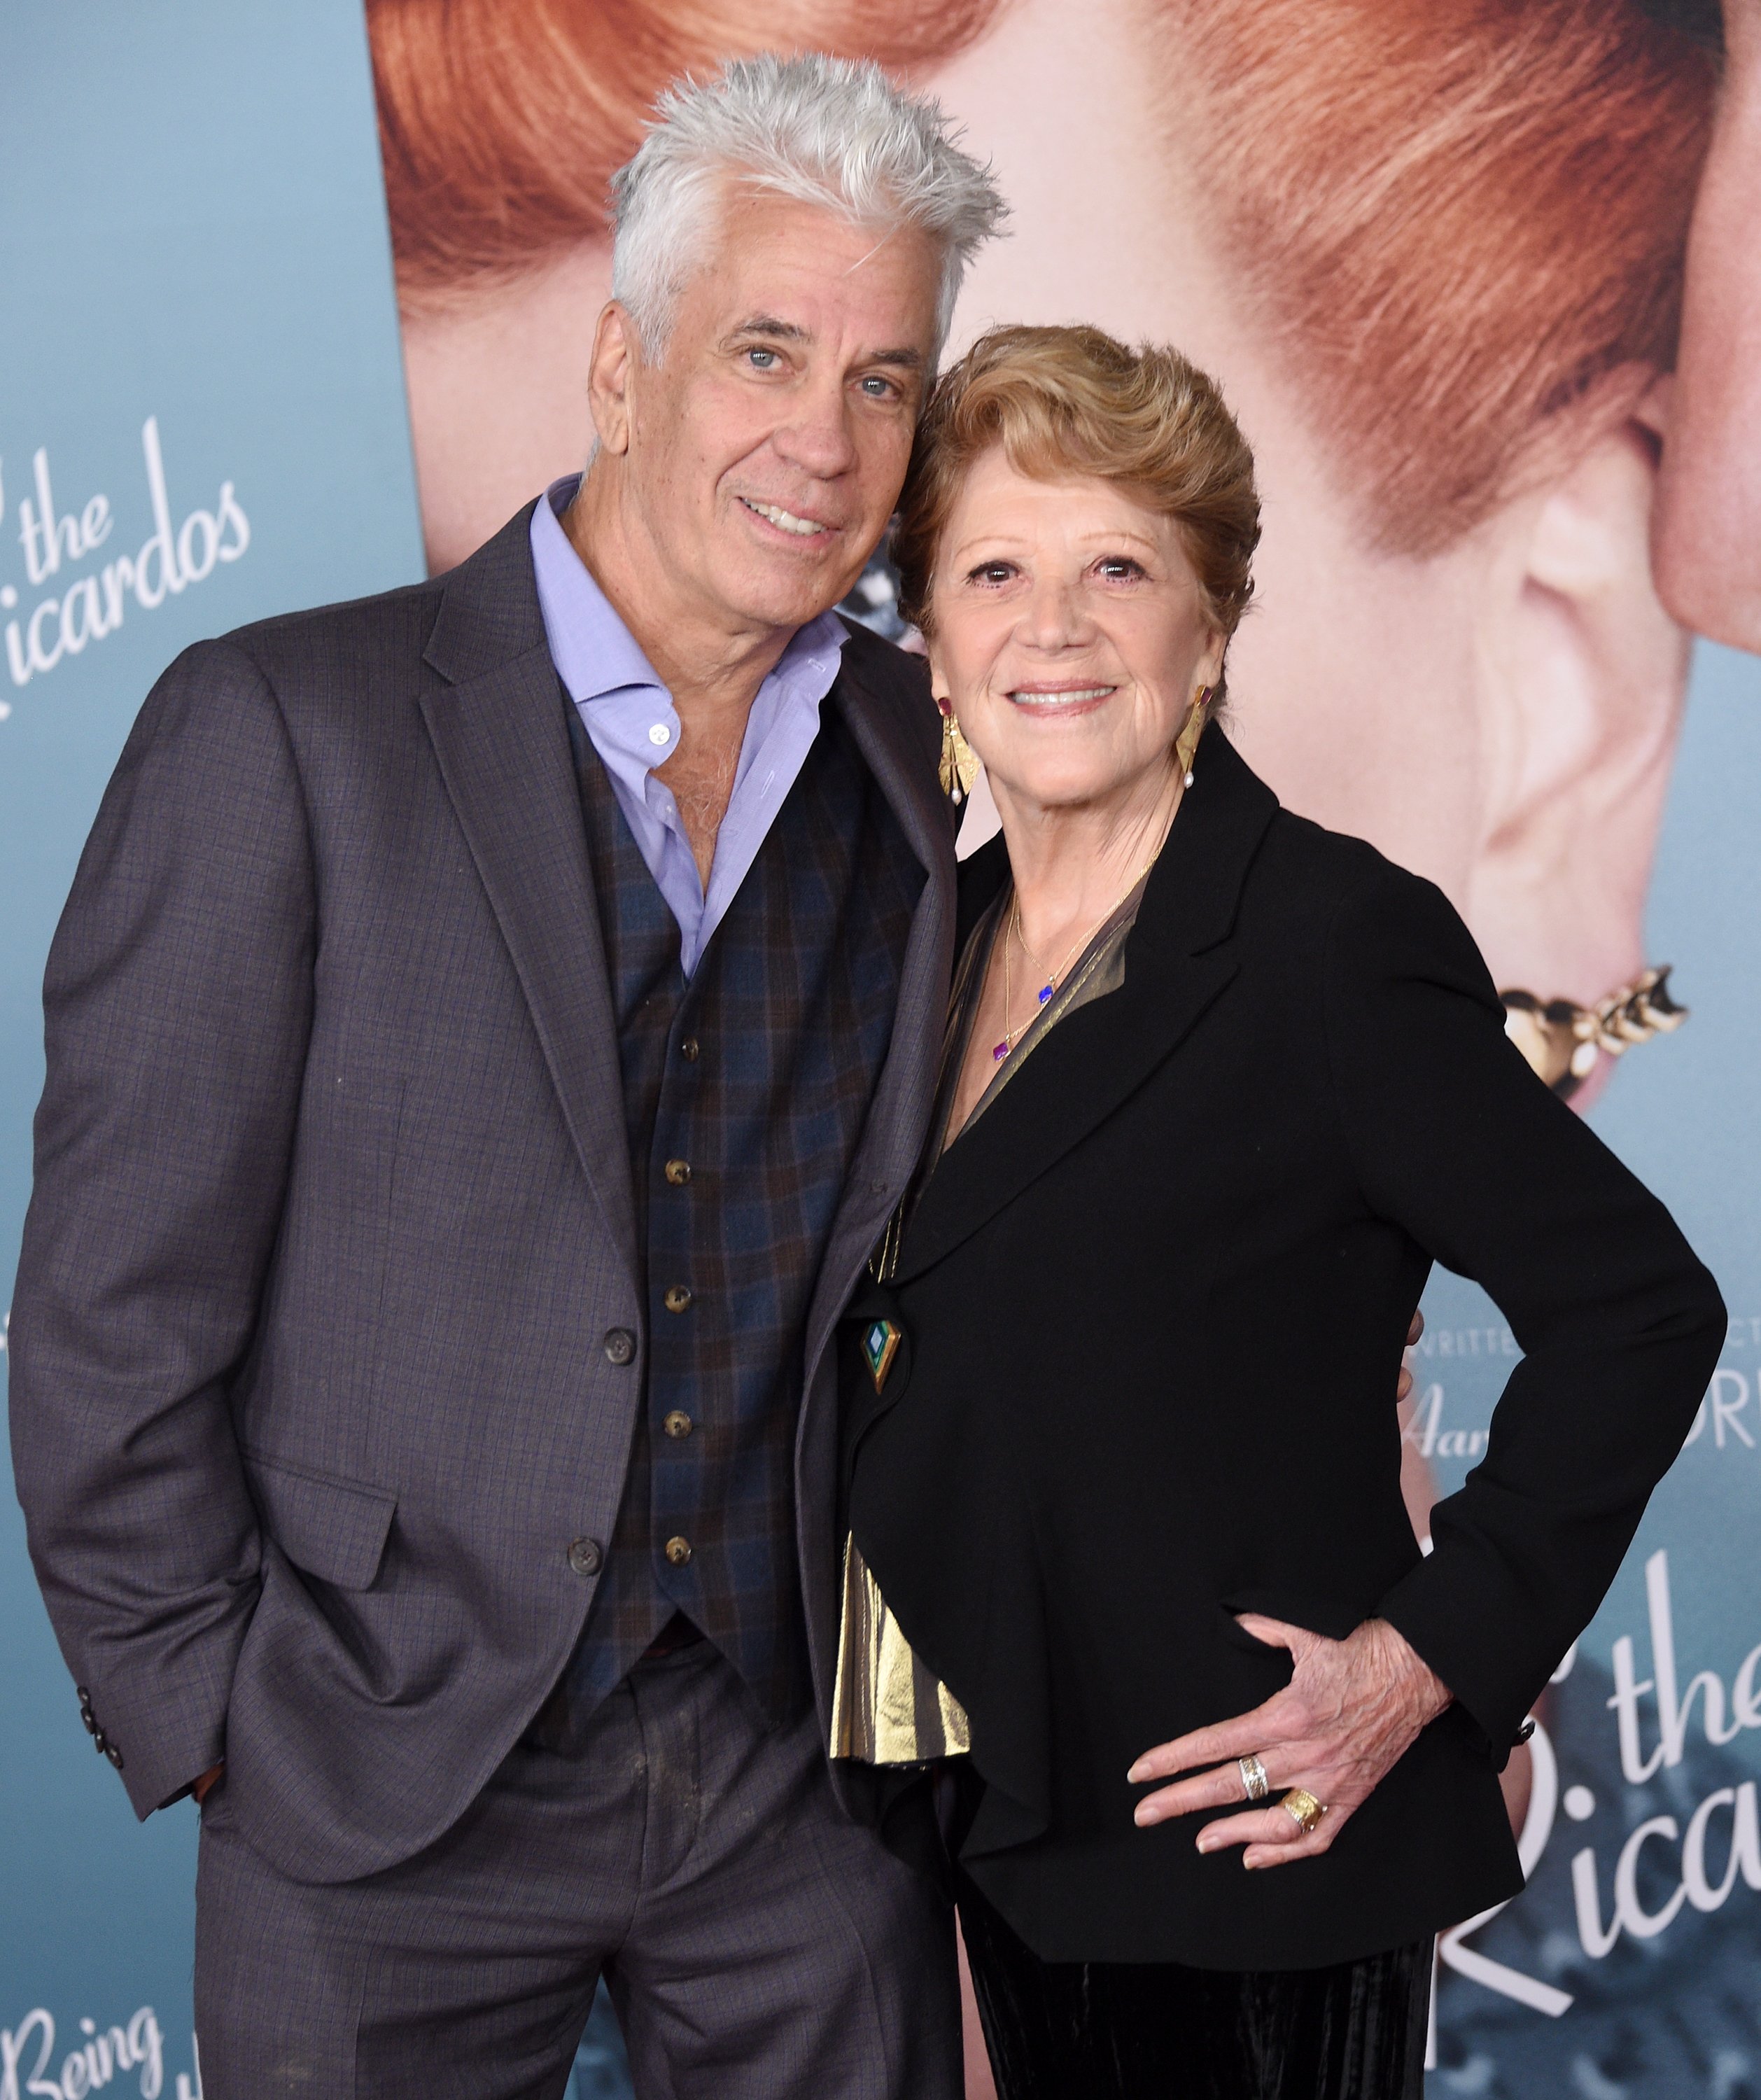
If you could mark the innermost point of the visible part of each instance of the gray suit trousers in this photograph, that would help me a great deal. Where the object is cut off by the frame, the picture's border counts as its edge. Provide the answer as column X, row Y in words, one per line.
column 757, row 1944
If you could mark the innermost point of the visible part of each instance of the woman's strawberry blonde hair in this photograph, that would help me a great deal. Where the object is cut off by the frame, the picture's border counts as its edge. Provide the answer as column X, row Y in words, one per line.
column 1072, row 401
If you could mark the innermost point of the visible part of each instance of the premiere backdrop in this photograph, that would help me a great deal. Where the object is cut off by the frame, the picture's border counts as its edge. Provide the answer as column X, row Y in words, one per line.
column 202, row 422
column 1434, row 251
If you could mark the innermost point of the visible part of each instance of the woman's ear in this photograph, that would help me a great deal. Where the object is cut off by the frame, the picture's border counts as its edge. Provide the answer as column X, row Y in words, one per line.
column 1579, row 679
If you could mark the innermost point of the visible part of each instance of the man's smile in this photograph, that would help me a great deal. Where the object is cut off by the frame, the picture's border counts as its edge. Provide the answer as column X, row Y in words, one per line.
column 787, row 521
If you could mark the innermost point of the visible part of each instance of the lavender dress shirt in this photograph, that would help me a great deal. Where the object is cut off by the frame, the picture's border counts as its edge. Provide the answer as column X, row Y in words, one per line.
column 630, row 715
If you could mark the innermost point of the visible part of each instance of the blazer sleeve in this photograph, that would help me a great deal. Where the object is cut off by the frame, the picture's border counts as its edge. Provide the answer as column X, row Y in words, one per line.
column 178, row 1002
column 1454, row 1136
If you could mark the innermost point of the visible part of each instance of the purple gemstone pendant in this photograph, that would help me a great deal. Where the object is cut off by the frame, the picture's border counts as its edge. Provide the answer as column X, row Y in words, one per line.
column 1001, row 1052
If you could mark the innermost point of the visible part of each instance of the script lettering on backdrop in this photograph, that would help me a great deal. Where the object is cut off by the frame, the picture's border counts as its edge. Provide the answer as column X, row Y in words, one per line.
column 129, row 2058
column 78, row 586
column 1667, row 1863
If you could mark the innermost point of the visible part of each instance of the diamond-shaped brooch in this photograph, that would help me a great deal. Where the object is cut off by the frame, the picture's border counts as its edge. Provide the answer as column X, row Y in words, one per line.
column 880, row 1346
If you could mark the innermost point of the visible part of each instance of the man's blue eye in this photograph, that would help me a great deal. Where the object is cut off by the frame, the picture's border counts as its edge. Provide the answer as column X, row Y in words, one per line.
column 763, row 359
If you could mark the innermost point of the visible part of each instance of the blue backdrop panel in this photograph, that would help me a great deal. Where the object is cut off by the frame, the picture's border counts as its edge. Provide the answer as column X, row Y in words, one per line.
column 1627, row 1970
column 201, row 422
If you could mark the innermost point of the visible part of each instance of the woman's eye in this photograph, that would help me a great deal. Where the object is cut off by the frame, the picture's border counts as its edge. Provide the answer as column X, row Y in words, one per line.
column 1119, row 568
column 992, row 573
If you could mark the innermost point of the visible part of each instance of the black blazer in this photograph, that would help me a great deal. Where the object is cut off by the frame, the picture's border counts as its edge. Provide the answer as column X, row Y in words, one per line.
column 1154, row 1305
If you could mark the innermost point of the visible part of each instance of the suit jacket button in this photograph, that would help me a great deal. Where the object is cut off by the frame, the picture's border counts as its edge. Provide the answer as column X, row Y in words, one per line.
column 584, row 1556
column 678, row 1552
column 114, row 1755
column 676, row 1298
column 619, row 1346
column 678, row 1172
column 101, row 1741
column 689, row 1050
column 677, row 1423
column 91, row 1720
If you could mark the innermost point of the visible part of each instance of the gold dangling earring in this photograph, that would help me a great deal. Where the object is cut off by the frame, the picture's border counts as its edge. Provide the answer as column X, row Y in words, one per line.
column 959, row 762
column 1187, row 746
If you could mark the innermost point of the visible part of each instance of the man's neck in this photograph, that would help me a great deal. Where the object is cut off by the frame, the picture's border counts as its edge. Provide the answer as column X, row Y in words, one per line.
column 712, row 665
column 712, row 668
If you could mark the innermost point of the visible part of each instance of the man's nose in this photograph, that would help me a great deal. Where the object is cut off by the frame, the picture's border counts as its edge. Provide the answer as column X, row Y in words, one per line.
column 816, row 435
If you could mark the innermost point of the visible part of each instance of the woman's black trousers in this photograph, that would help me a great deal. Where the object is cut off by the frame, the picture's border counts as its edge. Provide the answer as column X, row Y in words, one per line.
column 1158, row 2030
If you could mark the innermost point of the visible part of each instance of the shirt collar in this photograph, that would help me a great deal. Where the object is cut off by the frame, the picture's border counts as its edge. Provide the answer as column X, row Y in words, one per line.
column 595, row 653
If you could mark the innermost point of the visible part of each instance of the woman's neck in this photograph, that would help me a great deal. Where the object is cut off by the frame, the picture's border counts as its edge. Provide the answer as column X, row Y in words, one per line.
column 1073, row 865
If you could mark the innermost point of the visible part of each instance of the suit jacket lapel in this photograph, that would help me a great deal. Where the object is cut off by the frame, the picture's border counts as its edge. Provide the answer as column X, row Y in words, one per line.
column 1178, row 960
column 893, row 1137
column 502, row 738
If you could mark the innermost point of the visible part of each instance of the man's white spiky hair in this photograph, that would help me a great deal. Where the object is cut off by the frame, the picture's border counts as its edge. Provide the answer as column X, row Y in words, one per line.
column 832, row 132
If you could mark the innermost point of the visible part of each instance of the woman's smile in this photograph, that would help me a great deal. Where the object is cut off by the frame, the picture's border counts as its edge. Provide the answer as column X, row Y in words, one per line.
column 1046, row 699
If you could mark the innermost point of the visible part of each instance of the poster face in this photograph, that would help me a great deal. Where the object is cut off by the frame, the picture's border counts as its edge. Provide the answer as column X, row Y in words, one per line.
column 201, row 423
column 1434, row 254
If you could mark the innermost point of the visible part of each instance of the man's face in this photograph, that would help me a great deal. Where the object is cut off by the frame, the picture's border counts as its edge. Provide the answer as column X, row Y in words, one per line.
column 767, row 446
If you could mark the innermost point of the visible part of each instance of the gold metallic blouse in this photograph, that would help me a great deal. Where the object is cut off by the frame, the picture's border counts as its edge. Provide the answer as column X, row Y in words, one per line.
column 887, row 1708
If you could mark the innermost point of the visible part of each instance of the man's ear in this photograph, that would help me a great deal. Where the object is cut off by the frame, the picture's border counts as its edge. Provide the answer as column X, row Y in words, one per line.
column 1579, row 679
column 615, row 354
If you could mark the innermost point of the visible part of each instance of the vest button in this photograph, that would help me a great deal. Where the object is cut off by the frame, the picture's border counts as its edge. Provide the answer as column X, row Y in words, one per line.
column 619, row 1346
column 678, row 1552
column 689, row 1050
column 678, row 1172
column 584, row 1556
column 677, row 1423
column 677, row 1299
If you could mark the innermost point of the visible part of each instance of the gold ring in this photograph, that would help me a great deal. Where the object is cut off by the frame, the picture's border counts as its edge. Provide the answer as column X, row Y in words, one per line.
column 1253, row 1777
column 1302, row 1809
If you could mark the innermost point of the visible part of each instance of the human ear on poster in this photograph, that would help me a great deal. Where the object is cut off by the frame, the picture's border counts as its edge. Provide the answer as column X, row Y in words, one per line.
column 1578, row 682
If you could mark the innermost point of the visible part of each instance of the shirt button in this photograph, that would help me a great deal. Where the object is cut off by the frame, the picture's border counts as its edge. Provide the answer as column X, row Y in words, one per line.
column 689, row 1050
column 584, row 1556
column 677, row 1423
column 659, row 734
column 677, row 1299
column 678, row 1552
column 678, row 1172
column 619, row 1346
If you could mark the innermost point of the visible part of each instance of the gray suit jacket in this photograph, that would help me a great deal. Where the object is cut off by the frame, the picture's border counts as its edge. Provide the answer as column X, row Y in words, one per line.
column 320, row 1335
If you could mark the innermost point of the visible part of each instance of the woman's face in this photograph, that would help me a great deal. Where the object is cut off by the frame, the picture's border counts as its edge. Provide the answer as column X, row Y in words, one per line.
column 1068, row 636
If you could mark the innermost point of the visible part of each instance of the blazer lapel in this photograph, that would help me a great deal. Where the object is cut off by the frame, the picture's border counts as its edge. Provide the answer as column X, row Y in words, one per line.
column 499, row 731
column 1178, row 961
column 893, row 1137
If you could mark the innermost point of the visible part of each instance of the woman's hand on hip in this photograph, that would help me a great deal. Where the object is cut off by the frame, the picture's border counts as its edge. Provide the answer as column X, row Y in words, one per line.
column 1349, row 1714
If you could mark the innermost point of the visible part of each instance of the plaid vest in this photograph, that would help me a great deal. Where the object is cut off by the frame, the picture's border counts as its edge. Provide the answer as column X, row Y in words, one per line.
column 745, row 1093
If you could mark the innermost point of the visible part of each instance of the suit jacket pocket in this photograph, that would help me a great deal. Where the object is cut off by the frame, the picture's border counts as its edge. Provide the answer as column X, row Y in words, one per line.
column 335, row 1529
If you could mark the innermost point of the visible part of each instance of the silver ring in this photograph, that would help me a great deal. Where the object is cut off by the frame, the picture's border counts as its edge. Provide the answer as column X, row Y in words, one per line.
column 1253, row 1777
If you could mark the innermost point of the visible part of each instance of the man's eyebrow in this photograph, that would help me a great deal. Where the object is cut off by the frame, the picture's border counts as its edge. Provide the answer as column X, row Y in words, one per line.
column 767, row 325
column 912, row 360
